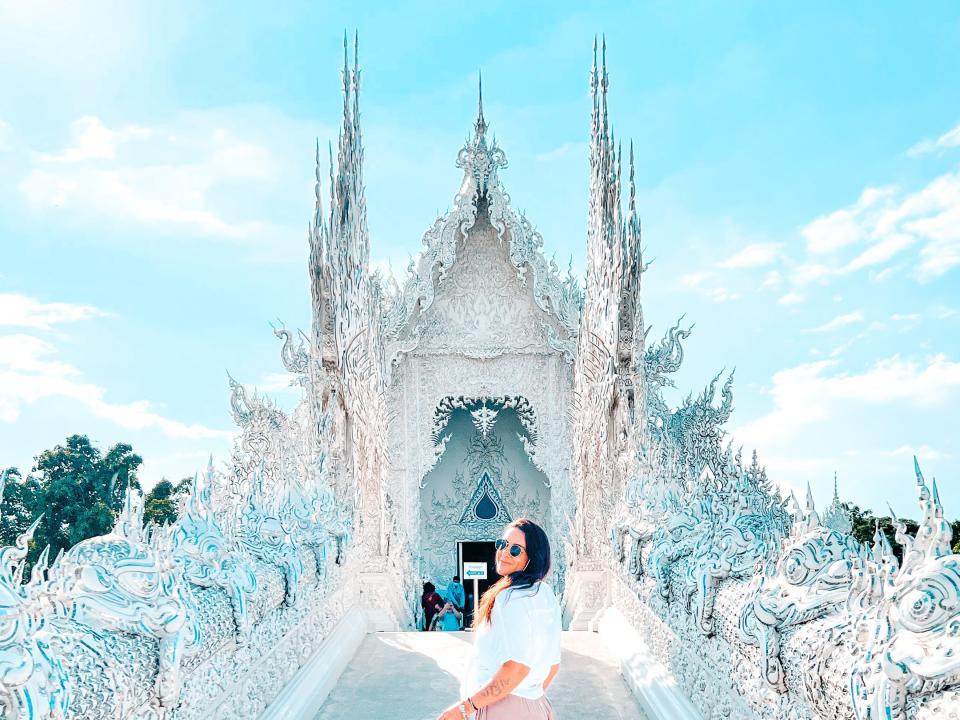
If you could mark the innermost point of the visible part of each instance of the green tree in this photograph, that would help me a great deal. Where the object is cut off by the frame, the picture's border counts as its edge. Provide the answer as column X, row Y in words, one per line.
column 83, row 489
column 22, row 501
column 162, row 503
column 865, row 523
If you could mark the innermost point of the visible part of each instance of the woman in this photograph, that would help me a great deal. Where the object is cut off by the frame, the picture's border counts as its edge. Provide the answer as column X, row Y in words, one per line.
column 516, row 653
column 431, row 603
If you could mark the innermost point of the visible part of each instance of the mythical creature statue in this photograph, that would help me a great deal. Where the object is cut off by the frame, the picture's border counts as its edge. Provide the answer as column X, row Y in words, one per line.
column 304, row 519
column 263, row 535
column 126, row 582
column 295, row 357
column 739, row 543
column 33, row 684
column 209, row 559
column 685, row 529
column 812, row 578
column 909, row 641
column 630, row 523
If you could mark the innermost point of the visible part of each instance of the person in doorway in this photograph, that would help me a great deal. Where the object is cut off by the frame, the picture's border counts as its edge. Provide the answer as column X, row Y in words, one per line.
column 431, row 603
column 456, row 594
column 516, row 653
column 448, row 619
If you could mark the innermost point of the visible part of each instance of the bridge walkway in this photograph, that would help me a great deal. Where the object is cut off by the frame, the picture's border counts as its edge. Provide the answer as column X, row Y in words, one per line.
column 414, row 675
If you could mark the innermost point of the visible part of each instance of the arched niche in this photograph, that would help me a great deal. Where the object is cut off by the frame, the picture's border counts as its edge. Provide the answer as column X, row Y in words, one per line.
column 484, row 478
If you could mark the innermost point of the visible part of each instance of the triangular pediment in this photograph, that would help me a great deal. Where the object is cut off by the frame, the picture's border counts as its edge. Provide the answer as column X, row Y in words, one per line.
column 482, row 215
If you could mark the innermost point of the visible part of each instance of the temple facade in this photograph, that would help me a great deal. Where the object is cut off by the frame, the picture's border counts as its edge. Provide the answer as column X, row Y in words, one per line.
column 482, row 386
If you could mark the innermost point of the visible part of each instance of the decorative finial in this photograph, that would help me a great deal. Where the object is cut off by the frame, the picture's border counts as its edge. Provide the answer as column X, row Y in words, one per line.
column 346, row 77
column 481, row 124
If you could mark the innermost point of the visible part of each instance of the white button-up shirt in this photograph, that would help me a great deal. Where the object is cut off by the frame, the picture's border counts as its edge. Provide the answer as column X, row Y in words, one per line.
column 525, row 627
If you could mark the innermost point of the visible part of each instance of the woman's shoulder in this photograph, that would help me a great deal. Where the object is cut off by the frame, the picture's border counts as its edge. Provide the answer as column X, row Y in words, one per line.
column 539, row 594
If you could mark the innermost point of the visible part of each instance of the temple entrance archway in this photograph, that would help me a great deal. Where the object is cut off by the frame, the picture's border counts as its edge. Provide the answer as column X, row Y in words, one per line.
column 484, row 479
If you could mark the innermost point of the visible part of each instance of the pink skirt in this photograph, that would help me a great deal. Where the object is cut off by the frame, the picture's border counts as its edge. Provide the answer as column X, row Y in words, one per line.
column 514, row 707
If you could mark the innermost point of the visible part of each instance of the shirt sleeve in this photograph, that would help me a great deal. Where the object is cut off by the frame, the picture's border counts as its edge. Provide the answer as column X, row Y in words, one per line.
column 555, row 642
column 515, row 631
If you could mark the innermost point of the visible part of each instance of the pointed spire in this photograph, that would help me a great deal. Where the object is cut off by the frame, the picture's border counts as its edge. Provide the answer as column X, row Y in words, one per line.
column 480, row 126
column 318, row 202
column 604, row 85
column 594, row 83
column 632, row 212
column 355, row 81
column 346, row 77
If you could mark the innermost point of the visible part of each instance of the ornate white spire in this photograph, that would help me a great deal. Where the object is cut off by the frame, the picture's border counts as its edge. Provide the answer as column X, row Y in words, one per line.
column 836, row 516
column 339, row 242
column 479, row 159
column 480, row 126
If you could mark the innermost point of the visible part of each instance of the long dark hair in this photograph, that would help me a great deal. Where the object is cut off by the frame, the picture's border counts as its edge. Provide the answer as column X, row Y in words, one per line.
column 538, row 565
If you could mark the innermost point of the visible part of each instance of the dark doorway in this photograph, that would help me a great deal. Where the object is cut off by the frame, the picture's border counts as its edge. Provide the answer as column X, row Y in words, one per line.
column 477, row 552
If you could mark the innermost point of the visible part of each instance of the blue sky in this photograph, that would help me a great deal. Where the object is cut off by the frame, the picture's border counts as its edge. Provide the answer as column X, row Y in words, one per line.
column 798, row 177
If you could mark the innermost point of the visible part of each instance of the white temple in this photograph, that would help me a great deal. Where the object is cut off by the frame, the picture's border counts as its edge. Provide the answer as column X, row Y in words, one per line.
column 486, row 387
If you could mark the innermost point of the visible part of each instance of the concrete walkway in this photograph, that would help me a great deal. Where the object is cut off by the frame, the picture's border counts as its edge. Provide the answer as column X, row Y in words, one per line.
column 413, row 676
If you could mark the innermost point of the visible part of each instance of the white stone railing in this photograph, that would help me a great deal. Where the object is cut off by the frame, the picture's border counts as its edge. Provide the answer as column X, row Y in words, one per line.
column 181, row 622
column 813, row 625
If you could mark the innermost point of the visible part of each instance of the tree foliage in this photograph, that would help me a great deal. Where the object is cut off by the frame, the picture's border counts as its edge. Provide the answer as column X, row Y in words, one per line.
column 19, row 506
column 83, row 490
column 162, row 503
column 865, row 524
column 79, row 490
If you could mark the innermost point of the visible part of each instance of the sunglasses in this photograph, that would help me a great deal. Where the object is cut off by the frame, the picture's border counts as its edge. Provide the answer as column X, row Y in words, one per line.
column 515, row 549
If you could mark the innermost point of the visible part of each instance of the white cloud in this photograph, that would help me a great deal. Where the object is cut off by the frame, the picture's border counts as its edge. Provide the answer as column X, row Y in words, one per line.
column 27, row 375
column 721, row 294
column 179, row 200
column 950, row 139
column 22, row 311
column 924, row 452
column 884, row 223
column 840, row 321
column 841, row 228
column 771, row 280
column 881, row 251
column 906, row 317
column 807, row 393
column 92, row 140
column 696, row 279
column 756, row 255
column 168, row 179
column 884, row 274
column 791, row 298
column 807, row 273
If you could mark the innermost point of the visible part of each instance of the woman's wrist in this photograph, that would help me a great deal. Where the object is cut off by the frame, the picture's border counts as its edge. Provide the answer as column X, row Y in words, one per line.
column 466, row 707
